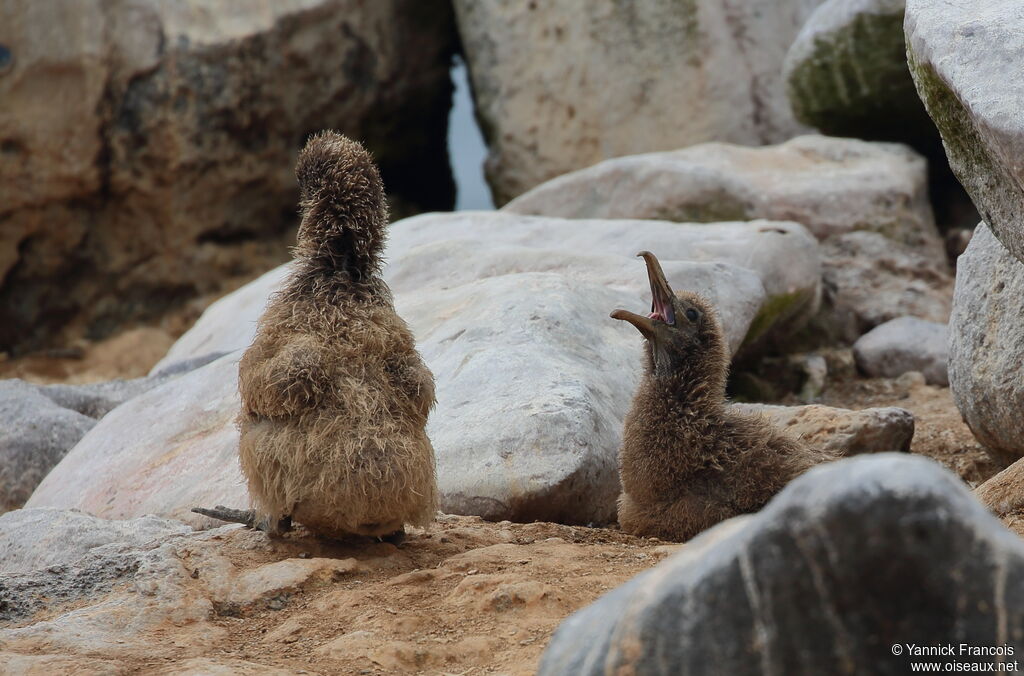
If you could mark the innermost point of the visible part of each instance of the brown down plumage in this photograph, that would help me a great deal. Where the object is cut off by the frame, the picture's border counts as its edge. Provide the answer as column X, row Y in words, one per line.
column 687, row 461
column 335, row 397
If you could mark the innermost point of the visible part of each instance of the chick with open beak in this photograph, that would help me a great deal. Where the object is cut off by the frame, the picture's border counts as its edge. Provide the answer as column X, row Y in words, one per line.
column 687, row 461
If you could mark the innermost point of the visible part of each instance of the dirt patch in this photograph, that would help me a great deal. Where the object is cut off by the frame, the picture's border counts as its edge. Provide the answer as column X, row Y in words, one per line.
column 464, row 597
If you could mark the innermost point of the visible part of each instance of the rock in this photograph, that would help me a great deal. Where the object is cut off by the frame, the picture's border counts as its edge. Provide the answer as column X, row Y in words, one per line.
column 228, row 324
column 959, row 56
column 901, row 345
column 840, row 430
column 34, row 435
column 869, row 280
column 533, row 380
column 1004, row 495
column 33, row 539
column 167, row 166
column 830, row 185
column 544, row 112
column 846, row 74
column 986, row 344
column 867, row 202
column 40, row 423
column 170, row 449
column 122, row 598
column 785, row 590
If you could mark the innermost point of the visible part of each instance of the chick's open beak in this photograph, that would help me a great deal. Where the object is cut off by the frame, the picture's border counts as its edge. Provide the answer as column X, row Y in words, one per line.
column 661, row 300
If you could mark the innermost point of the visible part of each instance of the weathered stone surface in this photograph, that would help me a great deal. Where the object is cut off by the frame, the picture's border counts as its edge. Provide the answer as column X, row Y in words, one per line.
column 869, row 280
column 35, row 433
column 785, row 590
column 32, row 539
column 168, row 450
column 959, row 54
column 842, row 431
column 846, row 75
column 560, row 86
column 40, row 423
column 868, row 202
column 986, row 344
column 904, row 344
column 830, row 185
column 533, row 380
column 1004, row 495
column 120, row 599
column 146, row 147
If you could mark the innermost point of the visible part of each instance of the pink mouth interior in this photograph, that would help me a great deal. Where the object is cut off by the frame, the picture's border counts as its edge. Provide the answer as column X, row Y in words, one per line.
column 660, row 311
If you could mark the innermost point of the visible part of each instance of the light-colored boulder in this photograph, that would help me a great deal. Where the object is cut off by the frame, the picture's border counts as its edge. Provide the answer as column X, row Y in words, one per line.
column 533, row 379
column 904, row 344
column 960, row 54
column 986, row 344
column 840, row 430
column 163, row 452
column 560, row 86
column 1004, row 495
column 147, row 146
column 818, row 578
column 846, row 75
column 867, row 202
column 123, row 598
column 869, row 279
column 32, row 539
column 830, row 185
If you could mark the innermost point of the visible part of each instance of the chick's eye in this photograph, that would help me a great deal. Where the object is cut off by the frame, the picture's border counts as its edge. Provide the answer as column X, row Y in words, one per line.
column 691, row 314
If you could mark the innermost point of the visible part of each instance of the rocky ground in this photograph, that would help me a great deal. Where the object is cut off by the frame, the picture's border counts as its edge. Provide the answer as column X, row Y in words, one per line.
column 466, row 596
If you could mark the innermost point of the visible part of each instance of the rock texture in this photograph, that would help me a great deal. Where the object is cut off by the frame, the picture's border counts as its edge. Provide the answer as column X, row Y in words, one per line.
column 846, row 75
column 867, row 202
column 760, row 594
column 34, row 435
column 40, row 423
column 904, row 344
column 562, row 86
column 533, row 379
column 146, row 147
column 842, row 431
column 959, row 53
column 1004, row 495
column 986, row 344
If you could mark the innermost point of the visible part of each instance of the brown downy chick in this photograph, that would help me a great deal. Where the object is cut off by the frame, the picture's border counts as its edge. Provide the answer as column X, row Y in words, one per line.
column 335, row 396
column 687, row 462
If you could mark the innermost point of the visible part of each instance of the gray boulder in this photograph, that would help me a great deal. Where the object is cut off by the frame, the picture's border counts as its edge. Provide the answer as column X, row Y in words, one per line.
column 851, row 559
column 866, row 202
column 40, row 423
column 846, row 75
column 963, row 55
column 560, row 86
column 986, row 344
column 905, row 344
column 32, row 539
column 34, row 435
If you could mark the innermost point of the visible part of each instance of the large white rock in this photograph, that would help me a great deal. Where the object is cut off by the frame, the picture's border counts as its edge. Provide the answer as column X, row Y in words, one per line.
column 533, row 377
column 868, row 203
column 986, row 344
column 963, row 55
column 562, row 85
column 830, row 185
